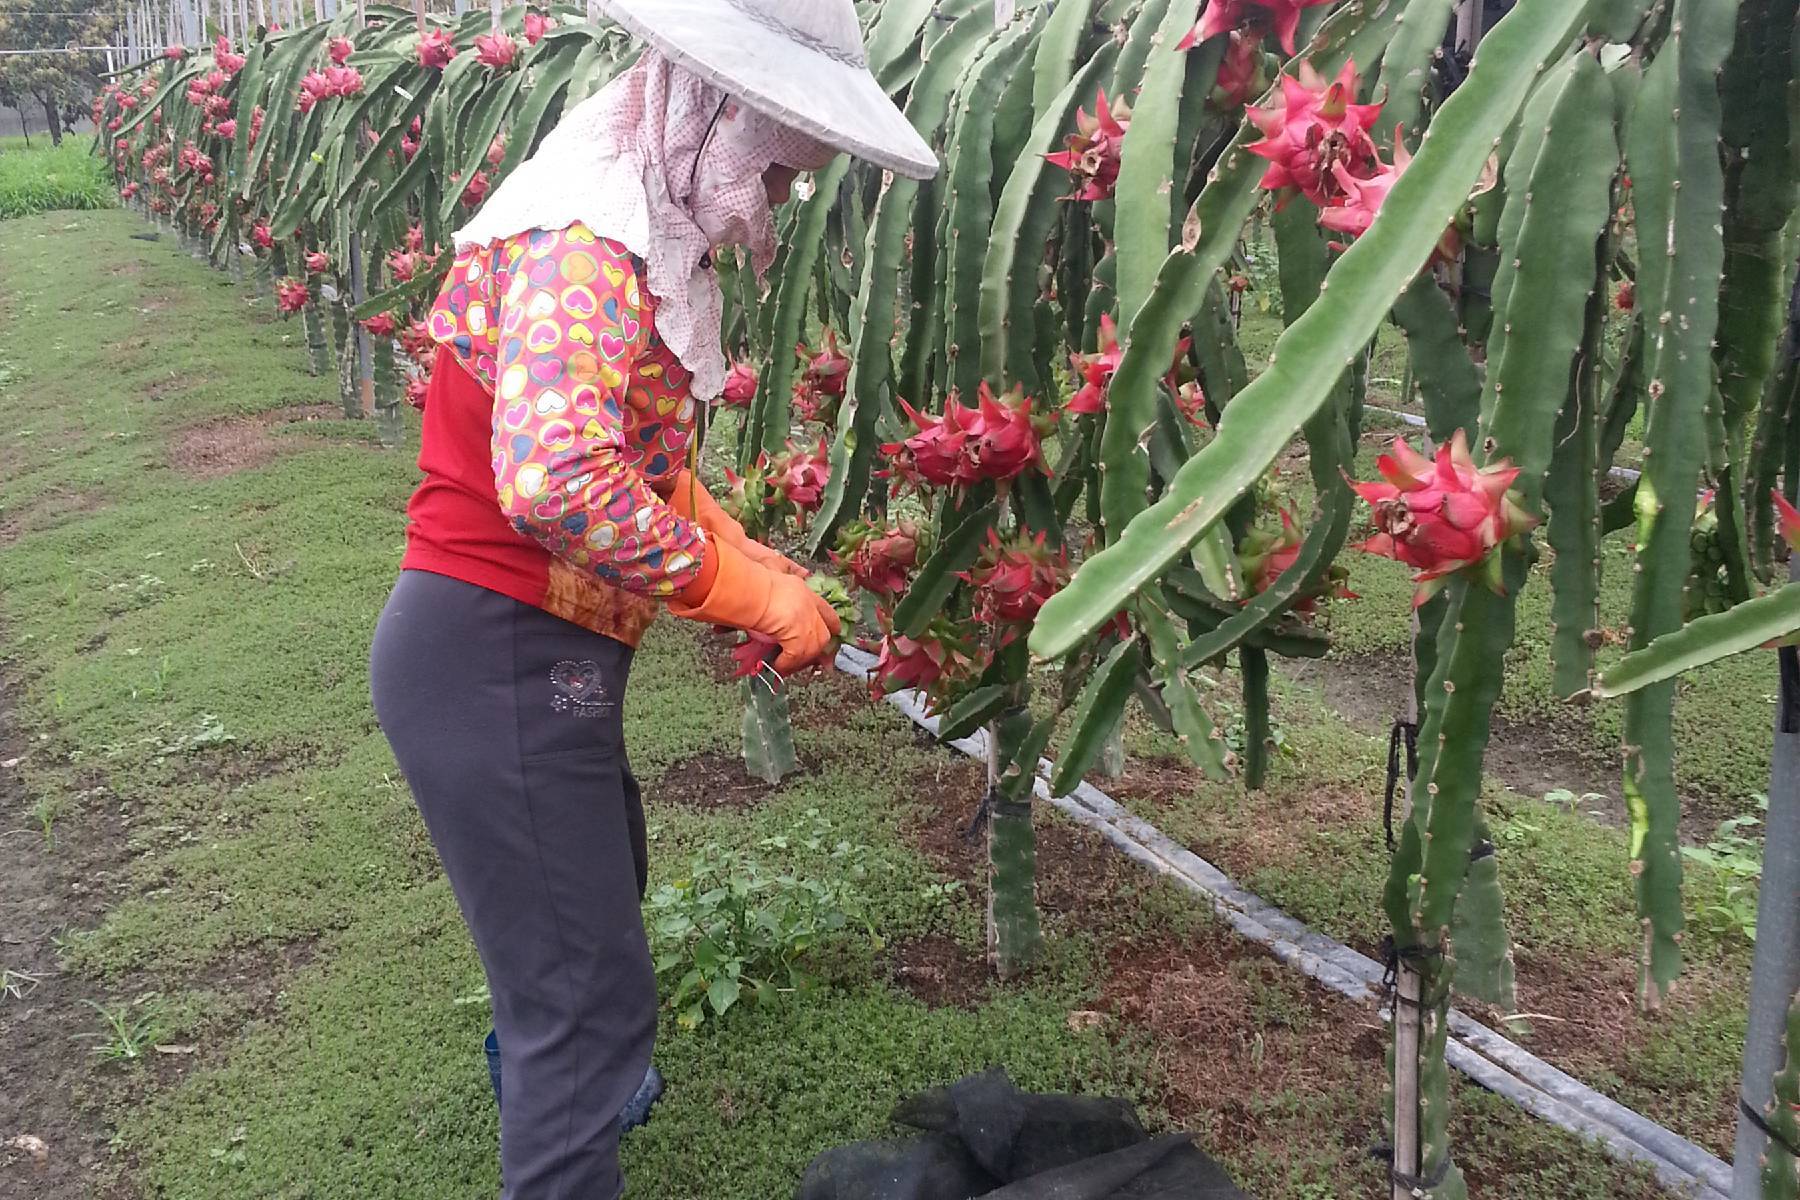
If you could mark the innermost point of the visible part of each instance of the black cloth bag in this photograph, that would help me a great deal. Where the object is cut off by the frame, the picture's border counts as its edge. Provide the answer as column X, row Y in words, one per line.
column 983, row 1137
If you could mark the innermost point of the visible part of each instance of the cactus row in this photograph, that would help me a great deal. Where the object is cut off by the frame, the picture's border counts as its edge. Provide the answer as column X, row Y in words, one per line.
column 1304, row 366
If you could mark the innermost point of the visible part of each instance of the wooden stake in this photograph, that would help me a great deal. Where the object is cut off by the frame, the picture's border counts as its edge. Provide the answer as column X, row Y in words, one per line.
column 1407, row 1015
column 1468, row 25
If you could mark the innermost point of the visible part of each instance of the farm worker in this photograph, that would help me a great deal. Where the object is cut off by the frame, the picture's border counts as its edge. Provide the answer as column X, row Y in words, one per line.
column 578, row 334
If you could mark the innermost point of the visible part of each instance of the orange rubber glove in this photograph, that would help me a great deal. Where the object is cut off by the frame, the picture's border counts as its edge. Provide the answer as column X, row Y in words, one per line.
column 734, row 591
column 690, row 500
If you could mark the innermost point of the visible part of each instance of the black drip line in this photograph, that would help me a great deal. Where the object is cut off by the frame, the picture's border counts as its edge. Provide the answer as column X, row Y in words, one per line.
column 1403, row 733
column 1762, row 1125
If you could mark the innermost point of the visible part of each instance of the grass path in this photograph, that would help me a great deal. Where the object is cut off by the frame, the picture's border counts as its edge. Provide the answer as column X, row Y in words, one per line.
column 193, row 555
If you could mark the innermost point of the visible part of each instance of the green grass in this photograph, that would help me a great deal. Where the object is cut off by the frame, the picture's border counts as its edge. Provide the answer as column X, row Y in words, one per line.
column 192, row 652
column 41, row 178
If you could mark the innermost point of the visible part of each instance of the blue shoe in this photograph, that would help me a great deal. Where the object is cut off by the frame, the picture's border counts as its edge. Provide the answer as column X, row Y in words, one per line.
column 492, row 1048
column 637, row 1109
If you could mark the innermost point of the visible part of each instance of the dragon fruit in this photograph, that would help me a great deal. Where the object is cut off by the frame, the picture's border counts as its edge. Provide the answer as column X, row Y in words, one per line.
column 997, row 440
column 740, row 386
column 435, row 50
column 1311, row 131
column 1441, row 515
column 1096, row 370
column 417, row 343
column 878, row 560
column 1264, row 556
column 1222, row 16
column 290, row 295
column 496, row 50
column 828, row 371
column 1013, row 578
column 937, row 663
column 798, row 476
column 1092, row 156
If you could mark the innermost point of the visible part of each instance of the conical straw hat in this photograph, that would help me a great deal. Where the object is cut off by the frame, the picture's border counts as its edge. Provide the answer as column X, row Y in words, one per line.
column 799, row 61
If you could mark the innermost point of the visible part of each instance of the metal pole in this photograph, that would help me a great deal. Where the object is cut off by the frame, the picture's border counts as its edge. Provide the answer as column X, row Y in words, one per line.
column 1408, row 1011
column 365, row 355
column 1775, row 970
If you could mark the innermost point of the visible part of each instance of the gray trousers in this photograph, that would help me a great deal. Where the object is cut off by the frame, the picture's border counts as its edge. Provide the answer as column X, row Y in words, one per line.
column 508, row 724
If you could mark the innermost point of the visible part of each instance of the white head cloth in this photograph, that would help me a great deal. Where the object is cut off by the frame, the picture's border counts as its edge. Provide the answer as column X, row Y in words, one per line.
column 622, row 162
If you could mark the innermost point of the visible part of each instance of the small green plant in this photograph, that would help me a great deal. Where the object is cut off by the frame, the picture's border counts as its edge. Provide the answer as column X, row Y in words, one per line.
column 131, row 1030
column 1232, row 727
column 207, row 731
column 1264, row 276
column 158, row 685
column 732, row 930
column 941, row 897
column 44, row 813
column 1566, row 799
column 1736, row 860
column 1511, row 829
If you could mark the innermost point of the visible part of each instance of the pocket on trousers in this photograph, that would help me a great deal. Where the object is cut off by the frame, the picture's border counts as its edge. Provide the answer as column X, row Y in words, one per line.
column 571, row 689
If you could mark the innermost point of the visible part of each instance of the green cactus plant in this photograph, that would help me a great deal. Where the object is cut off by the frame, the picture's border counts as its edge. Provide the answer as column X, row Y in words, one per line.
column 1781, row 1166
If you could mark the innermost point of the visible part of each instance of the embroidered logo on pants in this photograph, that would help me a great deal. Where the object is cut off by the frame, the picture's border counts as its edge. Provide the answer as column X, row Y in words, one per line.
column 579, row 689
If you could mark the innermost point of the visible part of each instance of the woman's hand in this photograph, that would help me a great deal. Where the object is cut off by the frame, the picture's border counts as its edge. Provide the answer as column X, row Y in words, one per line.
column 768, row 556
column 689, row 499
column 738, row 593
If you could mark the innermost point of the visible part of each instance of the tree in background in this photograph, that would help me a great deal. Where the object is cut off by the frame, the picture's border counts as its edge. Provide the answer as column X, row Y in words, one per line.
column 56, row 81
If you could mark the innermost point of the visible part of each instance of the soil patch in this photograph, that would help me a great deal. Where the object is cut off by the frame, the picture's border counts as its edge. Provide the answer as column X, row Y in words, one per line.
column 713, row 782
column 243, row 443
column 1532, row 757
column 173, row 385
column 46, row 511
column 831, row 699
column 1585, row 1020
column 1074, row 864
column 938, row 971
column 1230, row 1026
column 1244, row 1051
column 45, row 890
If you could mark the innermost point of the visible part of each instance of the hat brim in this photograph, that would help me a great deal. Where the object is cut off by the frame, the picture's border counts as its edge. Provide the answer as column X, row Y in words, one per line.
column 834, row 102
